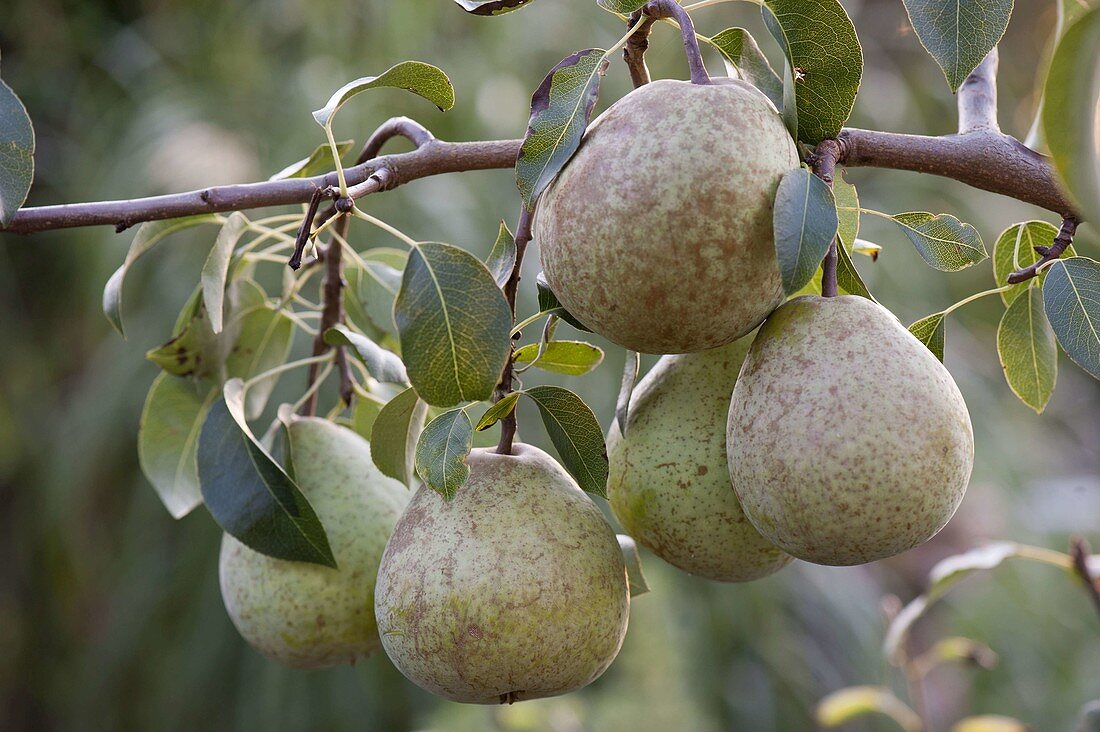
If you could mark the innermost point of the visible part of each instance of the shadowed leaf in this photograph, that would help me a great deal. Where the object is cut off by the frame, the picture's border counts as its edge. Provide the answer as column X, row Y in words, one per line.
column 492, row 7
column 805, row 222
column 417, row 77
column 959, row 33
column 631, row 366
column 942, row 240
column 442, row 450
column 1071, row 294
column 1027, row 350
column 16, row 154
column 382, row 364
column 739, row 49
column 576, row 434
column 394, row 434
column 633, row 560
column 502, row 257
column 216, row 268
column 1015, row 249
column 549, row 303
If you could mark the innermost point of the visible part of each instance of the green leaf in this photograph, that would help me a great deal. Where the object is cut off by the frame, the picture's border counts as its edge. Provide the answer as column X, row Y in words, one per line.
column 383, row 365
column 442, row 450
column 1071, row 294
column 249, row 495
column 739, row 48
column 216, row 268
column 942, row 240
column 265, row 338
column 624, row 7
column 502, row 257
column 633, row 560
column 16, row 154
column 959, row 33
column 573, row 358
column 631, row 366
column 845, row 705
column 847, row 277
column 576, row 434
column 1015, row 249
column 930, row 331
column 1028, row 353
column 454, row 323
column 805, row 222
column 168, row 441
column 418, row 77
column 394, row 435
column 990, row 723
column 1069, row 112
column 193, row 352
column 560, row 110
column 498, row 411
column 148, row 236
column 549, row 303
column 319, row 161
column 824, row 63
column 491, row 7
column 371, row 291
column 364, row 413
column 847, row 210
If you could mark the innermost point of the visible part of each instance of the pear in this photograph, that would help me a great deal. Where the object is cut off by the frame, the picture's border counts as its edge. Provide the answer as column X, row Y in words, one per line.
column 305, row 615
column 658, row 232
column 848, row 441
column 515, row 589
column 669, row 484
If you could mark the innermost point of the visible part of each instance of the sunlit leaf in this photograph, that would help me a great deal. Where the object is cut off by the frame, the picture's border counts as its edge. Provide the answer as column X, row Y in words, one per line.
column 418, row 77
column 1071, row 294
column 1027, row 350
column 576, row 435
column 147, row 237
column 573, row 358
column 805, row 222
column 16, row 154
column 942, row 240
column 498, row 411
column 442, row 450
column 1015, row 250
column 930, row 331
column 847, row 210
column 319, row 161
column 502, row 257
column 740, row 49
column 560, row 110
column 454, row 323
column 168, row 441
column 382, row 364
column 990, row 723
column 845, row 705
column 249, row 494
column 216, row 268
column 959, row 33
column 394, row 435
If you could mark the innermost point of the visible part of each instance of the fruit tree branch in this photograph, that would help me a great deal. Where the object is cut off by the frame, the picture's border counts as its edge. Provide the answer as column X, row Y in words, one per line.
column 635, row 48
column 978, row 97
column 1048, row 254
column 658, row 9
column 511, row 287
column 823, row 161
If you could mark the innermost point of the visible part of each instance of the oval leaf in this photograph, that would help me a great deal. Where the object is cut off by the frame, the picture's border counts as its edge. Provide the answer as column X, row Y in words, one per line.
column 549, row 303
column 1015, row 249
column 847, row 277
column 823, row 68
column 959, row 33
column 249, row 494
column 930, row 331
column 573, row 358
column 942, row 240
column 1028, row 353
column 17, row 158
column 1070, row 112
column 560, row 110
column 502, row 257
column 394, row 434
column 264, row 341
column 740, row 49
column 491, row 7
column 168, row 441
column 576, row 434
column 418, row 77
column 442, row 450
column 805, row 222
column 148, row 236
column 454, row 323
column 498, row 411
column 854, row 702
column 1071, row 294
column 633, row 559
column 216, row 268
column 319, row 161
column 383, row 365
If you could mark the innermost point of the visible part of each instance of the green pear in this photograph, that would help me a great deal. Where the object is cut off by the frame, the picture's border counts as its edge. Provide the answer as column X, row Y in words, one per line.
column 658, row 233
column 305, row 615
column 669, row 484
column 848, row 440
column 514, row 589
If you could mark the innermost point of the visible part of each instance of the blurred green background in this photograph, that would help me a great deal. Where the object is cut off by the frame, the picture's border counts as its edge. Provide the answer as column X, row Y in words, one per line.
column 110, row 614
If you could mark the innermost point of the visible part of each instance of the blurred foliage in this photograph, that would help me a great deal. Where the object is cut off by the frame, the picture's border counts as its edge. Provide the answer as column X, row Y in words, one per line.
column 110, row 614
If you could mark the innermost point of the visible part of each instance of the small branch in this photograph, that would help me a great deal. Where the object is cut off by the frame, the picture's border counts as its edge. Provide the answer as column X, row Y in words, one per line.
column 823, row 161
column 305, row 229
column 411, row 130
column 658, row 9
column 1079, row 549
column 332, row 313
column 978, row 97
column 636, row 46
column 1048, row 254
column 511, row 288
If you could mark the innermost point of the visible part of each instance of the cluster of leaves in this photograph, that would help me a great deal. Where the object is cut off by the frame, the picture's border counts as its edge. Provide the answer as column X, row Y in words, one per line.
column 846, row 705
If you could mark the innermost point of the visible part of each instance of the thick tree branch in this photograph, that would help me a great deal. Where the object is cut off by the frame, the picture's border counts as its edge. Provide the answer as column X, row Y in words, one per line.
column 511, row 288
column 978, row 97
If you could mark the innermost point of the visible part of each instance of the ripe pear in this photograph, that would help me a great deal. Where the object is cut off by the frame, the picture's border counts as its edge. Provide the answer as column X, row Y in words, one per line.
column 515, row 589
column 305, row 615
column 658, row 233
column 848, row 440
column 669, row 484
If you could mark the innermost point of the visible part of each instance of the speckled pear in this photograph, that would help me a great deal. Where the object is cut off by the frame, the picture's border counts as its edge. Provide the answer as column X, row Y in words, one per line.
column 669, row 484
column 305, row 615
column 658, row 232
column 515, row 589
column 848, row 440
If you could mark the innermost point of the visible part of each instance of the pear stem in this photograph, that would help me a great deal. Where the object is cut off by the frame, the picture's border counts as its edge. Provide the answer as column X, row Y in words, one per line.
column 658, row 9
column 823, row 161
column 511, row 287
